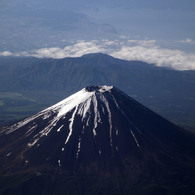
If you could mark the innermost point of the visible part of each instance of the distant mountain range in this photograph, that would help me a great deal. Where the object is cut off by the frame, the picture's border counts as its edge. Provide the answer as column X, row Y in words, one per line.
column 97, row 141
column 46, row 81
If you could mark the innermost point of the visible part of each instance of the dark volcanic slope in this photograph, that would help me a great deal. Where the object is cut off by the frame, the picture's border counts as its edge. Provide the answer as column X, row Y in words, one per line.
column 99, row 132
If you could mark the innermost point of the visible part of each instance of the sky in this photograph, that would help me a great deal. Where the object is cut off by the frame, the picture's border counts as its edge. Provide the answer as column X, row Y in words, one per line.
column 155, row 31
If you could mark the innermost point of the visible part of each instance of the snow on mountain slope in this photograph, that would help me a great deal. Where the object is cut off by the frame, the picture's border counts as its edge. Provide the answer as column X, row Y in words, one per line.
column 99, row 127
column 80, row 101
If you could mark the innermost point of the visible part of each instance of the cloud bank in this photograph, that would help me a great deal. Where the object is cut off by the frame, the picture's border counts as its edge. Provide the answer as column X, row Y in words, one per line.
column 143, row 50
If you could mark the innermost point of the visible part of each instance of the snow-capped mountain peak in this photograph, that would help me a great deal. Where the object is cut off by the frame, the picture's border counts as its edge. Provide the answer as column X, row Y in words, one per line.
column 60, row 109
column 69, row 103
column 97, row 131
column 96, row 124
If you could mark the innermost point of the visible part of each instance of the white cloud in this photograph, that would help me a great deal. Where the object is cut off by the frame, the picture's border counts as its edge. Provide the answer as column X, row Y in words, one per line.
column 143, row 50
column 188, row 41
column 78, row 49
column 142, row 42
column 175, row 59
column 5, row 53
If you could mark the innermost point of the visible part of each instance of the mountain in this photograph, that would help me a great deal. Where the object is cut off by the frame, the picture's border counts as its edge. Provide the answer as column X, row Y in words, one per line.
column 96, row 141
column 58, row 74
column 46, row 81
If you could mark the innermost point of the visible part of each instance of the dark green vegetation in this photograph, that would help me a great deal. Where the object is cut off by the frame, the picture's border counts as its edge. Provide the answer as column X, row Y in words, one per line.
column 15, row 106
column 43, row 82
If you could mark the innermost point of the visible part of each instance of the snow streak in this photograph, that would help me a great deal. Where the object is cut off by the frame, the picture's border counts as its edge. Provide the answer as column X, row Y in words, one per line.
column 79, row 148
column 30, row 130
column 48, row 129
column 130, row 122
column 34, row 142
column 71, row 124
column 115, row 101
column 20, row 124
column 109, row 116
column 60, row 128
column 84, row 109
column 8, row 154
column 116, row 131
column 59, row 163
column 135, row 139
column 96, row 115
